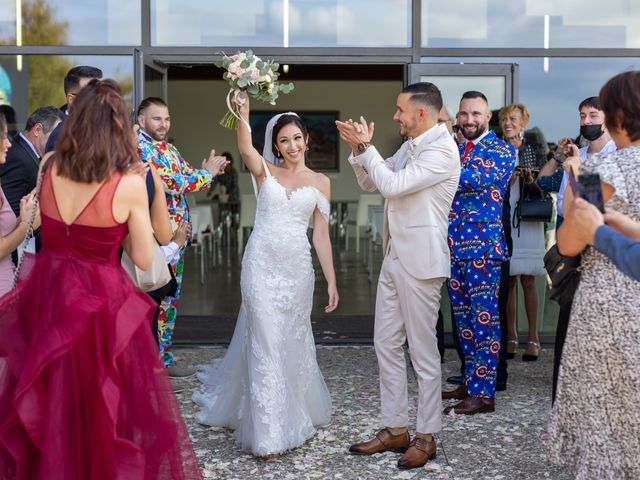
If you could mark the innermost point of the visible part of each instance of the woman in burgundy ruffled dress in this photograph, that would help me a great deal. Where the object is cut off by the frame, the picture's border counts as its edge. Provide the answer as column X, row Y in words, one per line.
column 83, row 393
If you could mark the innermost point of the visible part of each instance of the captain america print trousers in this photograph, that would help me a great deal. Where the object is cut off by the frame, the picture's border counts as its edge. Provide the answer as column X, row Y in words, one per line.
column 473, row 290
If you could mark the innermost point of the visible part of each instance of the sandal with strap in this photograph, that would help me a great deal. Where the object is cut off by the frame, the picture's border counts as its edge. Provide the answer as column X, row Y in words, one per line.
column 528, row 357
column 509, row 355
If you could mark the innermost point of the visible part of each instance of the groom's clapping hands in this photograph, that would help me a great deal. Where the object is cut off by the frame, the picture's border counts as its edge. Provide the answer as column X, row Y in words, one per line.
column 356, row 132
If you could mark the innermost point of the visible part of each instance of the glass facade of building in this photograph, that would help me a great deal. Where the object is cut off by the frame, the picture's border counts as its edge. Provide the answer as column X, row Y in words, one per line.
column 559, row 51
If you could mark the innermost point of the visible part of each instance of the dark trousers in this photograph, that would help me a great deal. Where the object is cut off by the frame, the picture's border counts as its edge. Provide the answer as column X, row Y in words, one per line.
column 503, row 297
column 454, row 334
column 561, row 335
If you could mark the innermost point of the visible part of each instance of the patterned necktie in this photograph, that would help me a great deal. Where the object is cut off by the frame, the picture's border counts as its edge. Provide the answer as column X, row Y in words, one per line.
column 467, row 150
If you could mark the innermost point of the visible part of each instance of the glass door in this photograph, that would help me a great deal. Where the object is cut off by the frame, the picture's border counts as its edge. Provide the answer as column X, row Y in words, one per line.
column 150, row 78
column 498, row 81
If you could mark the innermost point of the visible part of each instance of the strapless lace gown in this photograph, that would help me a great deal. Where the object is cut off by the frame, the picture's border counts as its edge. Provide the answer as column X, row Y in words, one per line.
column 268, row 387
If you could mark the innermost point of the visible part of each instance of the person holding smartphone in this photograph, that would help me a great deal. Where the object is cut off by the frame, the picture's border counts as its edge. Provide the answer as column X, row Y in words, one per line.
column 594, row 424
column 592, row 129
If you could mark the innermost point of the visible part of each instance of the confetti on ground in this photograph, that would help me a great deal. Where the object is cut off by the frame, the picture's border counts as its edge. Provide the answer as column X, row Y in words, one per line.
column 512, row 439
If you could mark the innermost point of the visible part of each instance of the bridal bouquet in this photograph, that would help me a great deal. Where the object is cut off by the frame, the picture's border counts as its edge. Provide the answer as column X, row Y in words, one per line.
column 247, row 73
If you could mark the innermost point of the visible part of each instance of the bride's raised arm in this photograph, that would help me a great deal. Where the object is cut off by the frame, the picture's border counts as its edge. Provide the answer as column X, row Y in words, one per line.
column 250, row 156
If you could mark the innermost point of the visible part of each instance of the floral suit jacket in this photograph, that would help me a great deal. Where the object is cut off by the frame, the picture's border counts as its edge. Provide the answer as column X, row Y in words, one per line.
column 178, row 177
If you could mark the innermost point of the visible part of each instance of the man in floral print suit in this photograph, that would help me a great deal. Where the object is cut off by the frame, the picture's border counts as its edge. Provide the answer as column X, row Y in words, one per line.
column 179, row 178
column 478, row 247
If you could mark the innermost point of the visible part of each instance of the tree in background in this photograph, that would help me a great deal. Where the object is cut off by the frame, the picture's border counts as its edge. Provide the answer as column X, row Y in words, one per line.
column 46, row 72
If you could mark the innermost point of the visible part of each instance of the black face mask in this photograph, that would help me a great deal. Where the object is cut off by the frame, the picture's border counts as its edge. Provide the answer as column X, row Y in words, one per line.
column 591, row 132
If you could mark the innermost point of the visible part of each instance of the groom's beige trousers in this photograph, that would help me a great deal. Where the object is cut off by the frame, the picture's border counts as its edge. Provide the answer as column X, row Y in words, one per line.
column 407, row 308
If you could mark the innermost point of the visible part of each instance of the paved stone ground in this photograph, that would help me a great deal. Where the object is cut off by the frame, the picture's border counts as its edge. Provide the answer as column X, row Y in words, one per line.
column 508, row 444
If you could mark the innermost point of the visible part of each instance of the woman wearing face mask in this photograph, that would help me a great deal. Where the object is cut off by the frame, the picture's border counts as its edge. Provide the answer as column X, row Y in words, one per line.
column 528, row 238
column 594, row 132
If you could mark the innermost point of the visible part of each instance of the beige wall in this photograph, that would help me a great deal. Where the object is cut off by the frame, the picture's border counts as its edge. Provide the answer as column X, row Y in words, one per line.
column 196, row 106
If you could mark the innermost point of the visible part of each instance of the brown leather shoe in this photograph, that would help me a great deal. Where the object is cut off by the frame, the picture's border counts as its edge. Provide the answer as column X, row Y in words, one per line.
column 472, row 405
column 383, row 441
column 458, row 393
column 420, row 451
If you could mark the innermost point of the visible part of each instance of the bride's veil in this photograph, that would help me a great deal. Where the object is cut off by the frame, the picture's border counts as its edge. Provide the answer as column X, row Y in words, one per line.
column 267, row 150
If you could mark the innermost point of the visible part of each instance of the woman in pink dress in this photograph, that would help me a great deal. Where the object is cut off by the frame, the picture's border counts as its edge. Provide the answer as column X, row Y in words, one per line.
column 83, row 394
column 12, row 230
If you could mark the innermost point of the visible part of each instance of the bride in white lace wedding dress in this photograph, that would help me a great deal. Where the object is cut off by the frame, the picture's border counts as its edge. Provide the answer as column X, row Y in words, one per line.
column 268, row 387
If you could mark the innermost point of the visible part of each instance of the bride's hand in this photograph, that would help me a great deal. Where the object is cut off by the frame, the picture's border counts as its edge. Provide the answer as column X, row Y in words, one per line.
column 333, row 299
column 241, row 100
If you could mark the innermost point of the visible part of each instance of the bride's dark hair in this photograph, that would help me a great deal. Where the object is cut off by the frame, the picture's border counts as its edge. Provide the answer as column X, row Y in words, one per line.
column 282, row 122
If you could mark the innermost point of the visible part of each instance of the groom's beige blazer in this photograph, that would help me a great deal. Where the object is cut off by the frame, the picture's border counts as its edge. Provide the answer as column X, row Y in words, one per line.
column 418, row 184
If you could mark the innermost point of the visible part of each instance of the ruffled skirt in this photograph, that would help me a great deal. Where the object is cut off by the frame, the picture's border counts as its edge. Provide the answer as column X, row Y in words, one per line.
column 83, row 394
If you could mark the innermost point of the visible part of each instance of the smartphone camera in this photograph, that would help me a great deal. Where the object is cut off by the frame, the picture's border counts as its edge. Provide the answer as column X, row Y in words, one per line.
column 559, row 157
column 590, row 188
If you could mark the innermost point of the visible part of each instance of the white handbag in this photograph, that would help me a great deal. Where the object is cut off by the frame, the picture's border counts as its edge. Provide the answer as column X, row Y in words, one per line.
column 156, row 276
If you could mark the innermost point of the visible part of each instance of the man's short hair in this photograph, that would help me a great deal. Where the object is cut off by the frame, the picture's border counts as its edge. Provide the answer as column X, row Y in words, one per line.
column 9, row 114
column 591, row 102
column 73, row 77
column 426, row 94
column 147, row 102
column 470, row 94
column 45, row 116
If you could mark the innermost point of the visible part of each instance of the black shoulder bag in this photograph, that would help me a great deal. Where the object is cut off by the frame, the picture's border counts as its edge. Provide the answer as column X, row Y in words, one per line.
column 564, row 272
column 534, row 205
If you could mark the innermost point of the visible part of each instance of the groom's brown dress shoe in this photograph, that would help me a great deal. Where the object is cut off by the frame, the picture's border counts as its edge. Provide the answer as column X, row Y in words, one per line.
column 472, row 405
column 458, row 393
column 420, row 451
column 383, row 441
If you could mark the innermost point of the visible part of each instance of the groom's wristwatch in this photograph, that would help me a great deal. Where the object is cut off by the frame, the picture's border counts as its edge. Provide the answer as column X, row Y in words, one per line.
column 362, row 147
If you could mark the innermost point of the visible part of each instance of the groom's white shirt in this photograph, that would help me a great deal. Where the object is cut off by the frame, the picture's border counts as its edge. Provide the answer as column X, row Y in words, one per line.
column 419, row 187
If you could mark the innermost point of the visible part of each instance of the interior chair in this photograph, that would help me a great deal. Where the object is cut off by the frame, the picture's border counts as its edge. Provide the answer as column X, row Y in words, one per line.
column 360, row 222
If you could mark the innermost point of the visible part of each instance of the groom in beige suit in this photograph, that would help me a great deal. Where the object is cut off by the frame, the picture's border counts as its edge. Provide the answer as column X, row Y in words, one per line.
column 418, row 184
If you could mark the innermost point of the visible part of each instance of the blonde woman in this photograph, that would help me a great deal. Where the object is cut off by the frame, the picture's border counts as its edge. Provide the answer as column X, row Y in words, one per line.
column 528, row 238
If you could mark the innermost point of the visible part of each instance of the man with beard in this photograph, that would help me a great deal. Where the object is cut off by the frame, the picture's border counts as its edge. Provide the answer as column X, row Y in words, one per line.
column 178, row 178
column 478, row 247
column 418, row 183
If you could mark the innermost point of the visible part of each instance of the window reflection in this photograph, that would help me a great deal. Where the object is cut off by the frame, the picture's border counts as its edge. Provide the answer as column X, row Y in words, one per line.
column 521, row 23
column 40, row 82
column 69, row 22
column 311, row 23
column 553, row 97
